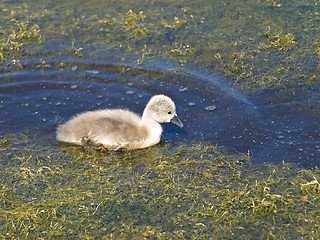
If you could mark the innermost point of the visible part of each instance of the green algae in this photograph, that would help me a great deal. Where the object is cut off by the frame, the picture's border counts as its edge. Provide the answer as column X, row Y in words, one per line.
column 194, row 192
column 4, row 142
column 191, row 192
column 265, row 32
column 15, row 35
column 278, row 42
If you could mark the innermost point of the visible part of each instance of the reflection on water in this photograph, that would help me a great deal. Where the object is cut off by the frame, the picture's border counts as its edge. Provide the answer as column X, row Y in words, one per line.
column 272, row 129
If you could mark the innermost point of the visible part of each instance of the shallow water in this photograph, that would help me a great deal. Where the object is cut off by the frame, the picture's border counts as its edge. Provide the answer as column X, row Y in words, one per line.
column 244, row 76
column 272, row 128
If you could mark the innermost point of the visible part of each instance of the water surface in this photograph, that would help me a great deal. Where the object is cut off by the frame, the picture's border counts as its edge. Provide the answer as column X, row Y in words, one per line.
column 245, row 79
column 271, row 129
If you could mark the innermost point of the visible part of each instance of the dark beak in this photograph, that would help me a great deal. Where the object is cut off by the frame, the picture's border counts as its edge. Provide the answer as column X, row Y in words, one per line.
column 175, row 120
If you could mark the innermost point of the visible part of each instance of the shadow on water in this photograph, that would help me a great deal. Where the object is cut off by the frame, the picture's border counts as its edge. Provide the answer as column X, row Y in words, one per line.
column 272, row 128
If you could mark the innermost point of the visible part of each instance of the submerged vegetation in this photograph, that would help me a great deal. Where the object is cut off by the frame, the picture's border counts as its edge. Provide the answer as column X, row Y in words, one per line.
column 255, row 44
column 278, row 42
column 15, row 35
column 193, row 192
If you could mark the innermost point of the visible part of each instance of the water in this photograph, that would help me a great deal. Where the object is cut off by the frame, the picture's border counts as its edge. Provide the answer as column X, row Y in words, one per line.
column 270, row 127
column 244, row 76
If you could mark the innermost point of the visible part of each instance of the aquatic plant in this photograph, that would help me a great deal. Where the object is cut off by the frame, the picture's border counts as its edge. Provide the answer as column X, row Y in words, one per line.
column 160, row 193
column 77, row 51
column 278, row 42
column 19, row 35
column 195, row 191
column 161, row 33
column 5, row 142
column 132, row 22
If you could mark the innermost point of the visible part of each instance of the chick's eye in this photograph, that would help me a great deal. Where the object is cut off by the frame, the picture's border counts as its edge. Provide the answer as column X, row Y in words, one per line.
column 169, row 112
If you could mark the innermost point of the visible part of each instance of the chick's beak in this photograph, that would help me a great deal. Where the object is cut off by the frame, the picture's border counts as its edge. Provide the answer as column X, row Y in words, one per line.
column 175, row 120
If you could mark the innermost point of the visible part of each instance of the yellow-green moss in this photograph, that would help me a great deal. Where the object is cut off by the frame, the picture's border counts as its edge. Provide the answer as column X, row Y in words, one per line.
column 159, row 193
column 252, row 39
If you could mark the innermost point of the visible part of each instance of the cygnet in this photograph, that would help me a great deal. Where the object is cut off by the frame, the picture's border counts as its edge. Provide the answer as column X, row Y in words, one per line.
column 115, row 129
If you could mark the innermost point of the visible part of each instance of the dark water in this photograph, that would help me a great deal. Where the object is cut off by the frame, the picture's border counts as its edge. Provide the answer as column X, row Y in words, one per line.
column 273, row 127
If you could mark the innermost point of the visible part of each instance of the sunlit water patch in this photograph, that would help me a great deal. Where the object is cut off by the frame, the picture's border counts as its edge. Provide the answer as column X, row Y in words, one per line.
column 37, row 101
